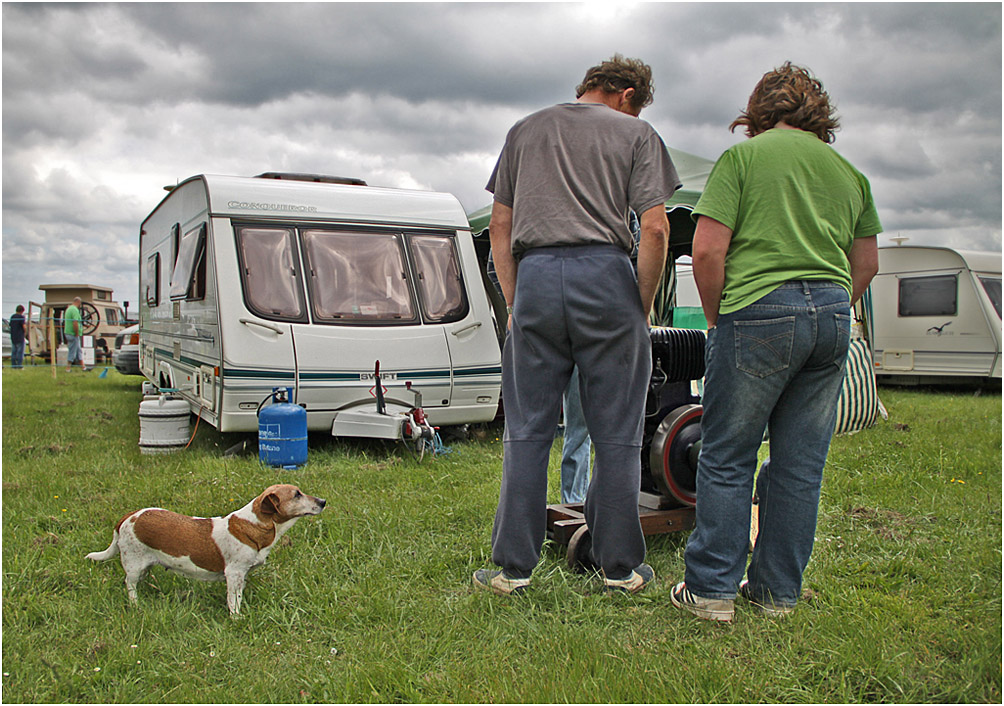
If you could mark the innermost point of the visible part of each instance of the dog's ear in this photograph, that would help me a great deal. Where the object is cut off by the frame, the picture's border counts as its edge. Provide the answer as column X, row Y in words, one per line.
column 270, row 504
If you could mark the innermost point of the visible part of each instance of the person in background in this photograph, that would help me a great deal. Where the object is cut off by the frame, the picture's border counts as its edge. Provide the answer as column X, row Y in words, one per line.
column 17, row 338
column 785, row 244
column 563, row 186
column 73, row 331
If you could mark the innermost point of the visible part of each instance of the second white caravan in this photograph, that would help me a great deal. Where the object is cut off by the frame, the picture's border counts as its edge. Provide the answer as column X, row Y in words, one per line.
column 304, row 282
column 935, row 315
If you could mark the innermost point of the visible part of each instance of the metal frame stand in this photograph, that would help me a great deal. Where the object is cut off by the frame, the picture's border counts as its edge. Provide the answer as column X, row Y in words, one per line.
column 566, row 525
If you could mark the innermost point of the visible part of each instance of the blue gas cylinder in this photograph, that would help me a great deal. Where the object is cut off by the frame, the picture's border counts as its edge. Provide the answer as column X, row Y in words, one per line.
column 282, row 431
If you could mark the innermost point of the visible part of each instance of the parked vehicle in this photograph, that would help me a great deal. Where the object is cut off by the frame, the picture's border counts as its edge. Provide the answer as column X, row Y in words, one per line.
column 934, row 315
column 125, row 357
column 335, row 289
column 8, row 346
column 101, row 316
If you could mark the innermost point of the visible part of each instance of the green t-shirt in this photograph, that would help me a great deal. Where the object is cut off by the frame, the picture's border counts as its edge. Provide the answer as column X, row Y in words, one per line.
column 72, row 314
column 795, row 207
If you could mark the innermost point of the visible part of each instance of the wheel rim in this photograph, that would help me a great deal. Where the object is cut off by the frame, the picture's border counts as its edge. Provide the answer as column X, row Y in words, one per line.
column 670, row 457
column 89, row 318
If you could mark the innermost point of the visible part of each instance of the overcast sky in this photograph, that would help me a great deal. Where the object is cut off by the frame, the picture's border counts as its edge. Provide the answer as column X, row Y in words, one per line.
column 103, row 105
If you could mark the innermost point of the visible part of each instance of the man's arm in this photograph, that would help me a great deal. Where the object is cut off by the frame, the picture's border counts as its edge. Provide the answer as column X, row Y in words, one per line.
column 652, row 254
column 500, row 234
column 711, row 244
column 864, row 265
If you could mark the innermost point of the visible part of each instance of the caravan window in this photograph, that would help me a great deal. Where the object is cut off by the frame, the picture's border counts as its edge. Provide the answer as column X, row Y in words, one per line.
column 437, row 272
column 152, row 294
column 270, row 273
column 929, row 296
column 358, row 277
column 992, row 286
column 189, row 278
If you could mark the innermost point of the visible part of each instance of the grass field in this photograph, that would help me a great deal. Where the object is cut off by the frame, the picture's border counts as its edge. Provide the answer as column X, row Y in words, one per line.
column 371, row 601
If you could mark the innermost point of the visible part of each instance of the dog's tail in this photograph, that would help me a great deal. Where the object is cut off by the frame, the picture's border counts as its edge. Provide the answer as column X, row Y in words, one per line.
column 112, row 550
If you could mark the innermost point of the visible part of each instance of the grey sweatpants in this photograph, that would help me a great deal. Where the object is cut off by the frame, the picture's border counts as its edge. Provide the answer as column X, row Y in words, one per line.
column 574, row 306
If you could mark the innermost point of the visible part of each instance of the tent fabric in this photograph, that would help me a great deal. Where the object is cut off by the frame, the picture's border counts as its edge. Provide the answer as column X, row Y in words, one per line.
column 858, row 404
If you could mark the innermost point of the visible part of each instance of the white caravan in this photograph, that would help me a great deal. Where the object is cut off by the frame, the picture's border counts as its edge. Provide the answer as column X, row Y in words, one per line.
column 315, row 283
column 935, row 315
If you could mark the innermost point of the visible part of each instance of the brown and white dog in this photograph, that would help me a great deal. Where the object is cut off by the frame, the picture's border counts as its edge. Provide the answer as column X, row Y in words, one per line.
column 208, row 548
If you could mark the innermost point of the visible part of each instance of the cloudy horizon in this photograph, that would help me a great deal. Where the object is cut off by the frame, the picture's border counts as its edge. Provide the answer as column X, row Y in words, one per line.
column 105, row 104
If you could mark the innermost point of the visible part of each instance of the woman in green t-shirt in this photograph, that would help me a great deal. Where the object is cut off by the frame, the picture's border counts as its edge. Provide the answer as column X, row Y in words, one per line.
column 785, row 243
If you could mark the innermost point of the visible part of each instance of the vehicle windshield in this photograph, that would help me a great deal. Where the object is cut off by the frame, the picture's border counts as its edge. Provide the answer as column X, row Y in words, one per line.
column 351, row 276
column 357, row 276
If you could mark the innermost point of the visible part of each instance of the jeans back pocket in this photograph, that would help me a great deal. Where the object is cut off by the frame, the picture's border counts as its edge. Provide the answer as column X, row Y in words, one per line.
column 763, row 347
column 842, row 340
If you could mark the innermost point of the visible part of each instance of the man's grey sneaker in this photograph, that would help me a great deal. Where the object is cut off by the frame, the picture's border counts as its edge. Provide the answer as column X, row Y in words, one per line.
column 497, row 582
column 767, row 606
column 721, row 609
column 640, row 577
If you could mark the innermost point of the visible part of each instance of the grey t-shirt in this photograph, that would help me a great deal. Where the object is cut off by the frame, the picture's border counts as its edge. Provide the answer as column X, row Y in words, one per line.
column 571, row 172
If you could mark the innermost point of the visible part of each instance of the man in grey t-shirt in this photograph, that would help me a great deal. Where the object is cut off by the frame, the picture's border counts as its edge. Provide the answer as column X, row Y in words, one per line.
column 563, row 186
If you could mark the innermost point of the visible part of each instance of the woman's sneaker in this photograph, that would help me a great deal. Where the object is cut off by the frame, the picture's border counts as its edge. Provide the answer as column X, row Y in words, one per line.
column 721, row 609
column 497, row 582
column 640, row 577
column 767, row 607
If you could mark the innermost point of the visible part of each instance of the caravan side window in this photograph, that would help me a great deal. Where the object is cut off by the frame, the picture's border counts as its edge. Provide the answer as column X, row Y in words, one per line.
column 189, row 278
column 929, row 296
column 357, row 277
column 152, row 294
column 175, row 243
column 437, row 270
column 270, row 274
column 992, row 286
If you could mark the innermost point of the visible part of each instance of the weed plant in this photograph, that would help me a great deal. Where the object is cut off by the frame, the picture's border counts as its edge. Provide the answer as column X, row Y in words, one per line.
column 372, row 601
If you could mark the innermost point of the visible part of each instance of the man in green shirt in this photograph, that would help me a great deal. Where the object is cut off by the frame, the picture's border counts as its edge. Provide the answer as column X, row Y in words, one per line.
column 73, row 332
column 785, row 244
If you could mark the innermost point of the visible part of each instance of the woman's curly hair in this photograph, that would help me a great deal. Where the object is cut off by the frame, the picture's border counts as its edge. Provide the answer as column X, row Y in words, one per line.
column 793, row 95
column 619, row 73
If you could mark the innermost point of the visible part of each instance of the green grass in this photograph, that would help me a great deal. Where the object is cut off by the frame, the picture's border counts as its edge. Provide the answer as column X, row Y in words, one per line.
column 371, row 601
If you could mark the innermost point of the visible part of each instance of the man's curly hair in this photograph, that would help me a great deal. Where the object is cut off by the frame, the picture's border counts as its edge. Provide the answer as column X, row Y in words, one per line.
column 793, row 95
column 617, row 74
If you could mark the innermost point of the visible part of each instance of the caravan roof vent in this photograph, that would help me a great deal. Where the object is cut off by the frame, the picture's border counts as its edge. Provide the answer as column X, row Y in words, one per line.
column 319, row 178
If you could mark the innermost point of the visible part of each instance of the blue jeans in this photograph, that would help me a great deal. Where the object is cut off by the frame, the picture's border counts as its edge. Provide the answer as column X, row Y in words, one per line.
column 778, row 362
column 73, row 351
column 16, row 354
column 574, row 445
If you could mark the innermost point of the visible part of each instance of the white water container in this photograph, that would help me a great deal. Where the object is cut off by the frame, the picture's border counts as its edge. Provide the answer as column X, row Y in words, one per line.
column 62, row 353
column 163, row 424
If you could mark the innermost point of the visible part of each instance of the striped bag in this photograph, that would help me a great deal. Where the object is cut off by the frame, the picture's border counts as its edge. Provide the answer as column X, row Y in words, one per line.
column 858, row 405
